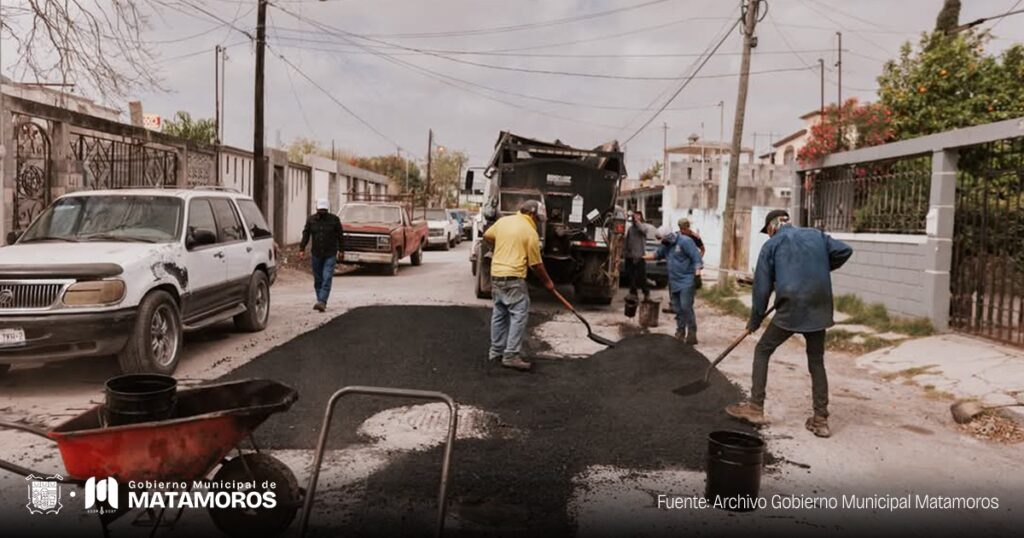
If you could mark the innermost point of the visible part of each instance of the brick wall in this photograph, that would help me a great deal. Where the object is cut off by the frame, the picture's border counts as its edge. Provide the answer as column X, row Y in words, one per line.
column 885, row 269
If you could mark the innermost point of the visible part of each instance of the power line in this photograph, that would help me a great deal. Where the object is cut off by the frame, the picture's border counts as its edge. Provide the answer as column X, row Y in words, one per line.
column 519, row 27
column 338, row 102
column 685, row 83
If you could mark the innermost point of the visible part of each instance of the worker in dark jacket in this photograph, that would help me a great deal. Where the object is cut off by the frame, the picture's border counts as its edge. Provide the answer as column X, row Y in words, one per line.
column 795, row 264
column 325, row 231
column 636, row 248
column 684, row 267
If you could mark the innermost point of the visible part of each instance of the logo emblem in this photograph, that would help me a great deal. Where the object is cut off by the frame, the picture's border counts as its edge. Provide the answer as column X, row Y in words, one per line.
column 101, row 492
column 6, row 298
column 44, row 494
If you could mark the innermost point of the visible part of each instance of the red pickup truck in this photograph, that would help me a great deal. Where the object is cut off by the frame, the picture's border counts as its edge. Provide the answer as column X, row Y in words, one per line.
column 381, row 233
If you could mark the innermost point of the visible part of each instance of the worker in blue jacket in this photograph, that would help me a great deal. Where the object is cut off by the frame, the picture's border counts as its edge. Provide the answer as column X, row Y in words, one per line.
column 795, row 264
column 684, row 264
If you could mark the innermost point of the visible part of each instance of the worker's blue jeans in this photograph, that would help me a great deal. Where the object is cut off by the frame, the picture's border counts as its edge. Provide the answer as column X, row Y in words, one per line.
column 682, row 303
column 509, row 317
column 323, row 276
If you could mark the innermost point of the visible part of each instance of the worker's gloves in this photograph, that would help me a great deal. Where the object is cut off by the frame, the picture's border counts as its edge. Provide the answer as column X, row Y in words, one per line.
column 753, row 326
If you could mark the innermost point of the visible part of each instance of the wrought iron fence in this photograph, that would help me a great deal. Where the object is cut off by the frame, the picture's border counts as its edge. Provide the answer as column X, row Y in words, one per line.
column 987, row 276
column 888, row 196
column 108, row 163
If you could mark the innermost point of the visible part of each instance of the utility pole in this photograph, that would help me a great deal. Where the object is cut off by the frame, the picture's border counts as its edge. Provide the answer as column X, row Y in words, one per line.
column 216, row 94
column 430, row 160
column 839, row 89
column 821, row 68
column 258, row 169
column 664, row 153
column 216, row 112
column 721, row 130
column 223, row 82
column 751, row 8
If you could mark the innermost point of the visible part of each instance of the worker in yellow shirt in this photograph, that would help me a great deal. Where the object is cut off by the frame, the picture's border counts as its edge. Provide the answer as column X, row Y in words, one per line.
column 516, row 246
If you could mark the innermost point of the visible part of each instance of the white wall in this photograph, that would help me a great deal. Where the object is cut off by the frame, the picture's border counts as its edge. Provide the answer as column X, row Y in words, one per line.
column 321, row 184
column 236, row 172
column 297, row 198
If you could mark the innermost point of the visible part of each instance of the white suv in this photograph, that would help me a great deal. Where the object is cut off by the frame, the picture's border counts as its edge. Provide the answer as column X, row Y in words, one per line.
column 126, row 272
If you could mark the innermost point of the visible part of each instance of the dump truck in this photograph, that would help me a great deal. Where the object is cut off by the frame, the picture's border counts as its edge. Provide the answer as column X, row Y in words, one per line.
column 582, row 238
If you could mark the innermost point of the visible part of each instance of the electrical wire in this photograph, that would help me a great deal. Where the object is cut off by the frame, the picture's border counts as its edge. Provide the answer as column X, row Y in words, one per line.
column 685, row 83
column 518, row 27
column 332, row 97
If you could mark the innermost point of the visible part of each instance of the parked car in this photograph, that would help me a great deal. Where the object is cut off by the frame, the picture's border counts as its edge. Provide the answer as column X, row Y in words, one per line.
column 444, row 229
column 381, row 234
column 466, row 221
column 458, row 215
column 126, row 272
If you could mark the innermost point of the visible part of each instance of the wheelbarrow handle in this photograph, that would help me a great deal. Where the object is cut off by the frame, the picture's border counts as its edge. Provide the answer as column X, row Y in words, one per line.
column 27, row 428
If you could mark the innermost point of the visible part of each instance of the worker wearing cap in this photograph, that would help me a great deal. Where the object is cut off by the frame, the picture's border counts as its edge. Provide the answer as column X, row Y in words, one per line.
column 795, row 263
column 324, row 229
column 516, row 246
column 684, row 265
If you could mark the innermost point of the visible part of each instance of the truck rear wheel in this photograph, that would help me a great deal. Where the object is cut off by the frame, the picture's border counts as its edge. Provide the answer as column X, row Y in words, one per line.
column 417, row 257
column 483, row 277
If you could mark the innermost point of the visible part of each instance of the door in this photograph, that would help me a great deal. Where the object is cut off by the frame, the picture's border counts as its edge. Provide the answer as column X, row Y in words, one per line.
column 238, row 251
column 207, row 266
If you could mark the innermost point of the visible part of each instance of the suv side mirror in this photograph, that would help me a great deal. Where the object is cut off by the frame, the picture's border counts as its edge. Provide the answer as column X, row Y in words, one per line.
column 12, row 237
column 200, row 238
column 469, row 181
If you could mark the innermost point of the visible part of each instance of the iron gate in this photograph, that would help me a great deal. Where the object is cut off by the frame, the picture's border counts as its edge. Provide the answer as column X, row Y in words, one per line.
column 112, row 164
column 987, row 277
column 32, row 172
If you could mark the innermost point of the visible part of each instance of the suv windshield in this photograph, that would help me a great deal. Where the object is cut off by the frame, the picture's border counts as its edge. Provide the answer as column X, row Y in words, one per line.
column 148, row 219
column 437, row 214
column 370, row 213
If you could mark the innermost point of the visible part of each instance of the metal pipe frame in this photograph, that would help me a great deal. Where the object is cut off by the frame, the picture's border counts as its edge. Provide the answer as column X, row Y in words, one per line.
column 453, row 417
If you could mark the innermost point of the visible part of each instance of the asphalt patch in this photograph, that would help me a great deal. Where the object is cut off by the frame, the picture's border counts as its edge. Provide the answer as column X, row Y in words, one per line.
column 614, row 408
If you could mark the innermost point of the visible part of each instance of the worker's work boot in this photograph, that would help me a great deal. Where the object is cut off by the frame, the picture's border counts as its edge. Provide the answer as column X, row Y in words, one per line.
column 747, row 412
column 516, row 363
column 691, row 339
column 681, row 335
column 320, row 307
column 818, row 425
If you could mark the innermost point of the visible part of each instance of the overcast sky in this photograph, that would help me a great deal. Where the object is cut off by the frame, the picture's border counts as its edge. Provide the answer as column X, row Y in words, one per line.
column 380, row 75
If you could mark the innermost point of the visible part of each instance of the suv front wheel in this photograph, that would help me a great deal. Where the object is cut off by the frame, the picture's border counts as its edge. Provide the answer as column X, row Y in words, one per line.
column 257, row 304
column 155, row 344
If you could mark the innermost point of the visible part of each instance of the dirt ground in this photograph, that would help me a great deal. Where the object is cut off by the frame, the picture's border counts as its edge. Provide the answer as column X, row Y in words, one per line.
column 612, row 436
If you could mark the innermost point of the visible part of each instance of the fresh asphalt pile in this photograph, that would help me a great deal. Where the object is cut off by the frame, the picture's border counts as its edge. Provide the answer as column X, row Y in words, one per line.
column 615, row 408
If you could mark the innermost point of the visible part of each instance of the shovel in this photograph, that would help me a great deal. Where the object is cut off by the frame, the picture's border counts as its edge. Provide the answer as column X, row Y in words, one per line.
column 703, row 383
column 590, row 333
column 964, row 412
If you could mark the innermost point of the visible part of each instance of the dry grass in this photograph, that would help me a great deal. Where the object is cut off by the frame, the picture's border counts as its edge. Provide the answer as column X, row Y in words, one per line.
column 878, row 318
column 991, row 426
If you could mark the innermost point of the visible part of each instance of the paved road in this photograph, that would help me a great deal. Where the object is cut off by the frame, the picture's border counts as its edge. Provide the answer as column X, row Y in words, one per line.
column 585, row 443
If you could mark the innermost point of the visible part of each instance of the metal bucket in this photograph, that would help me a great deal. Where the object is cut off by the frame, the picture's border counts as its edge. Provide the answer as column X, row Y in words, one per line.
column 649, row 310
column 631, row 304
column 735, row 462
column 135, row 398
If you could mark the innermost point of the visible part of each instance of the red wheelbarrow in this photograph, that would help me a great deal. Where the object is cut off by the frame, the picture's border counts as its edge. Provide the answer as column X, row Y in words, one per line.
column 208, row 423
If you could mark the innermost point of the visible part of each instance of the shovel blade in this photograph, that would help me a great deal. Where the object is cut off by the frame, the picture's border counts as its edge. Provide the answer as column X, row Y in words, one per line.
column 690, row 389
column 601, row 340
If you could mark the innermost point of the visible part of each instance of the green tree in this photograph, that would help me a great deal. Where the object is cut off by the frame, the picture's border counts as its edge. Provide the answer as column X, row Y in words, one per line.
column 404, row 172
column 653, row 172
column 200, row 131
column 446, row 179
column 949, row 82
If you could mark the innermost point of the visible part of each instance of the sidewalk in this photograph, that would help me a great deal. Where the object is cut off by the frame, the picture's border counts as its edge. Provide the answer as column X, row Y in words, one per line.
column 961, row 366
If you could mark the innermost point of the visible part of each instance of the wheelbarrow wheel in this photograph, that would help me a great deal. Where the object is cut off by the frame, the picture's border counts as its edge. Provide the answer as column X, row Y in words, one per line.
column 262, row 521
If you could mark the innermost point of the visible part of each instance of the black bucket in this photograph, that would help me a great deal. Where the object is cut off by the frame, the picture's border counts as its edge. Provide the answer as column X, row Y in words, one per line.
column 735, row 461
column 135, row 398
column 631, row 304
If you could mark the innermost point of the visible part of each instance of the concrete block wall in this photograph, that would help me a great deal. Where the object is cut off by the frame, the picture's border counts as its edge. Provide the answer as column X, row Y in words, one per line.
column 885, row 269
